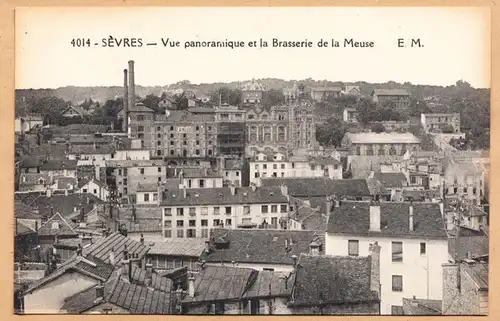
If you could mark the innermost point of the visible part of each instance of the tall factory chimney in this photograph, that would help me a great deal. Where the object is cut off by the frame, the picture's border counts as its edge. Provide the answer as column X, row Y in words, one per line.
column 125, row 101
column 131, row 84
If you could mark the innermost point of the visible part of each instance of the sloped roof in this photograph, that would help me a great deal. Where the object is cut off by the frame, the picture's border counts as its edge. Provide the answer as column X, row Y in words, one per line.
column 193, row 247
column 271, row 284
column 22, row 229
column 118, row 242
column 320, row 186
column 24, row 211
column 333, row 280
column 59, row 164
column 422, row 307
column 391, row 180
column 391, row 92
column 473, row 245
column 478, row 272
column 261, row 246
column 63, row 204
column 353, row 218
column 88, row 266
column 28, row 179
column 65, row 228
column 64, row 182
column 91, row 149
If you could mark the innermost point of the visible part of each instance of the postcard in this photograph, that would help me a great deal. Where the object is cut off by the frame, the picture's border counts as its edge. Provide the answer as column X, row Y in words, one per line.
column 255, row 161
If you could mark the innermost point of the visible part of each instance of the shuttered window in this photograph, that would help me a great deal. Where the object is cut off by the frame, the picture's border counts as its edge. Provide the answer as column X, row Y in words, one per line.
column 354, row 247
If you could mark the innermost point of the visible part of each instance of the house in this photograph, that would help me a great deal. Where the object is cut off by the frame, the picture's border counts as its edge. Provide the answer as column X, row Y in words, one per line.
column 463, row 179
column 337, row 285
column 394, row 182
column 95, row 154
column 27, row 215
column 48, row 204
column 400, row 98
column 75, row 111
column 270, row 250
column 29, row 182
column 140, row 292
column 291, row 93
column 61, row 167
column 308, row 215
column 350, row 115
column 465, row 287
column 143, row 222
column 198, row 177
column 54, row 229
column 277, row 165
column 233, row 172
column 413, row 241
column 47, row 295
column 252, row 92
column 25, row 242
column 381, row 144
column 147, row 193
column 416, row 306
column 26, row 123
column 322, row 93
column 351, row 90
column 306, row 188
column 95, row 187
column 234, row 290
column 437, row 122
column 191, row 213
column 171, row 254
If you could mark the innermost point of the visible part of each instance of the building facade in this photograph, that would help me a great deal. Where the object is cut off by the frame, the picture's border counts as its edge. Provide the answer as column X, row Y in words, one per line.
column 380, row 144
column 399, row 97
column 436, row 122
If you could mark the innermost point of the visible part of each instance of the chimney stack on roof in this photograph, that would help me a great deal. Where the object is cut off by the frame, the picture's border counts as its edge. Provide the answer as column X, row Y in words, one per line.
column 131, row 85
column 314, row 248
column 254, row 187
column 191, row 291
column 112, row 257
column 375, row 216
column 149, row 273
column 184, row 191
column 410, row 210
column 233, row 189
column 125, row 101
column 375, row 267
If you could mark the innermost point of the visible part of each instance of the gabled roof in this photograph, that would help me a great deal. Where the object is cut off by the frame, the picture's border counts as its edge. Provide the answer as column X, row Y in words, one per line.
column 28, row 179
column 391, row 180
column 64, row 183
column 87, row 266
column 22, row 229
column 223, row 196
column 24, row 211
column 333, row 280
column 320, row 186
column 474, row 245
column 353, row 218
column 422, row 307
column 63, row 204
column 60, row 164
column 118, row 242
column 64, row 228
column 478, row 272
column 261, row 246
column 158, row 282
column 80, row 110
column 391, row 92
column 91, row 149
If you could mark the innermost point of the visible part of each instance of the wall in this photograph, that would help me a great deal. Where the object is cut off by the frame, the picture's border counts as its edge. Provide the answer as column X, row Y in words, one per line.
column 416, row 280
column 152, row 197
column 465, row 302
column 204, row 216
column 50, row 297
column 258, row 266
column 148, row 236
column 95, row 189
column 364, row 308
column 132, row 154
column 151, row 176
column 208, row 182
column 90, row 159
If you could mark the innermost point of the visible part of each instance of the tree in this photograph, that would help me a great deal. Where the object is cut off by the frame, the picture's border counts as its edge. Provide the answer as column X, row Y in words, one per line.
column 330, row 133
column 418, row 107
column 272, row 97
column 378, row 128
column 152, row 101
column 227, row 95
column 447, row 129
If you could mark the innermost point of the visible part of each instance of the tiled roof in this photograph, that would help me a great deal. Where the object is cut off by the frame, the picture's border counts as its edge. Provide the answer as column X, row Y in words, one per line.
column 64, row 204
column 178, row 247
column 49, row 151
column 28, row 179
column 223, row 196
column 139, row 299
column 391, row 180
column 312, row 216
column 79, row 129
column 29, row 162
column 134, row 163
column 376, row 187
column 199, row 172
column 139, row 108
column 422, row 307
column 60, row 164
column 48, row 229
column 116, row 241
column 143, row 226
column 21, row 229
column 88, row 266
column 84, row 300
column 391, row 92
column 261, row 246
column 221, row 283
column 419, row 195
column 89, row 140
column 233, row 164
column 157, row 282
column 66, row 183
column 353, row 218
column 320, row 160
column 143, row 187
column 478, row 272
column 383, row 138
column 24, row 211
column 91, row 150
column 271, row 284
column 473, row 245
column 319, row 186
column 333, row 280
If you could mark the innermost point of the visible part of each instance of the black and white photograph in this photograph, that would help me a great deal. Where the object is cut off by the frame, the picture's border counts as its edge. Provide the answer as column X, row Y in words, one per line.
column 252, row 161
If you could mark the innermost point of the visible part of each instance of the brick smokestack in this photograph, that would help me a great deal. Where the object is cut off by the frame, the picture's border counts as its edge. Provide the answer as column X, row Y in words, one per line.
column 125, row 100
column 131, row 84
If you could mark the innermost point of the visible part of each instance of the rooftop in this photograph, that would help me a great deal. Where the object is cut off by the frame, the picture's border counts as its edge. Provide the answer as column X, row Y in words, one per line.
column 391, row 180
column 23, row 211
column 353, row 218
column 333, row 280
column 391, row 92
column 28, row 179
column 382, row 138
column 178, row 247
column 91, row 149
column 320, row 186
column 60, row 164
column 134, row 163
column 56, row 225
column 260, row 246
column 422, row 307
column 478, row 272
column 465, row 246
column 63, row 204
column 223, row 196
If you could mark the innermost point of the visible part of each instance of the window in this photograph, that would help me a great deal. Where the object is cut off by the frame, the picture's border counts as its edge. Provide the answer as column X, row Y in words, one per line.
column 268, row 269
column 397, row 251
column 228, row 210
column 85, row 190
column 192, row 223
column 413, row 180
column 140, row 128
column 192, row 211
column 216, row 222
column 397, row 283
column 202, row 183
column 146, row 197
column 216, row 210
column 204, row 222
column 167, row 233
column 396, row 310
column 474, row 191
column 282, row 166
column 204, row 211
column 275, row 166
column 353, row 247
column 180, row 233
column 274, row 208
column 167, row 211
column 264, row 209
column 274, row 222
column 358, row 150
column 246, row 209
column 422, row 248
column 228, row 222
column 283, row 208
column 125, row 191
column 125, row 181
column 159, row 179
column 204, row 233
column 465, row 190
column 180, row 223
column 180, row 211
column 141, row 170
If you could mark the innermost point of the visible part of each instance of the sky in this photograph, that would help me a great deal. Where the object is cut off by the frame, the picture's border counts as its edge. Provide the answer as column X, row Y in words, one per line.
column 456, row 45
